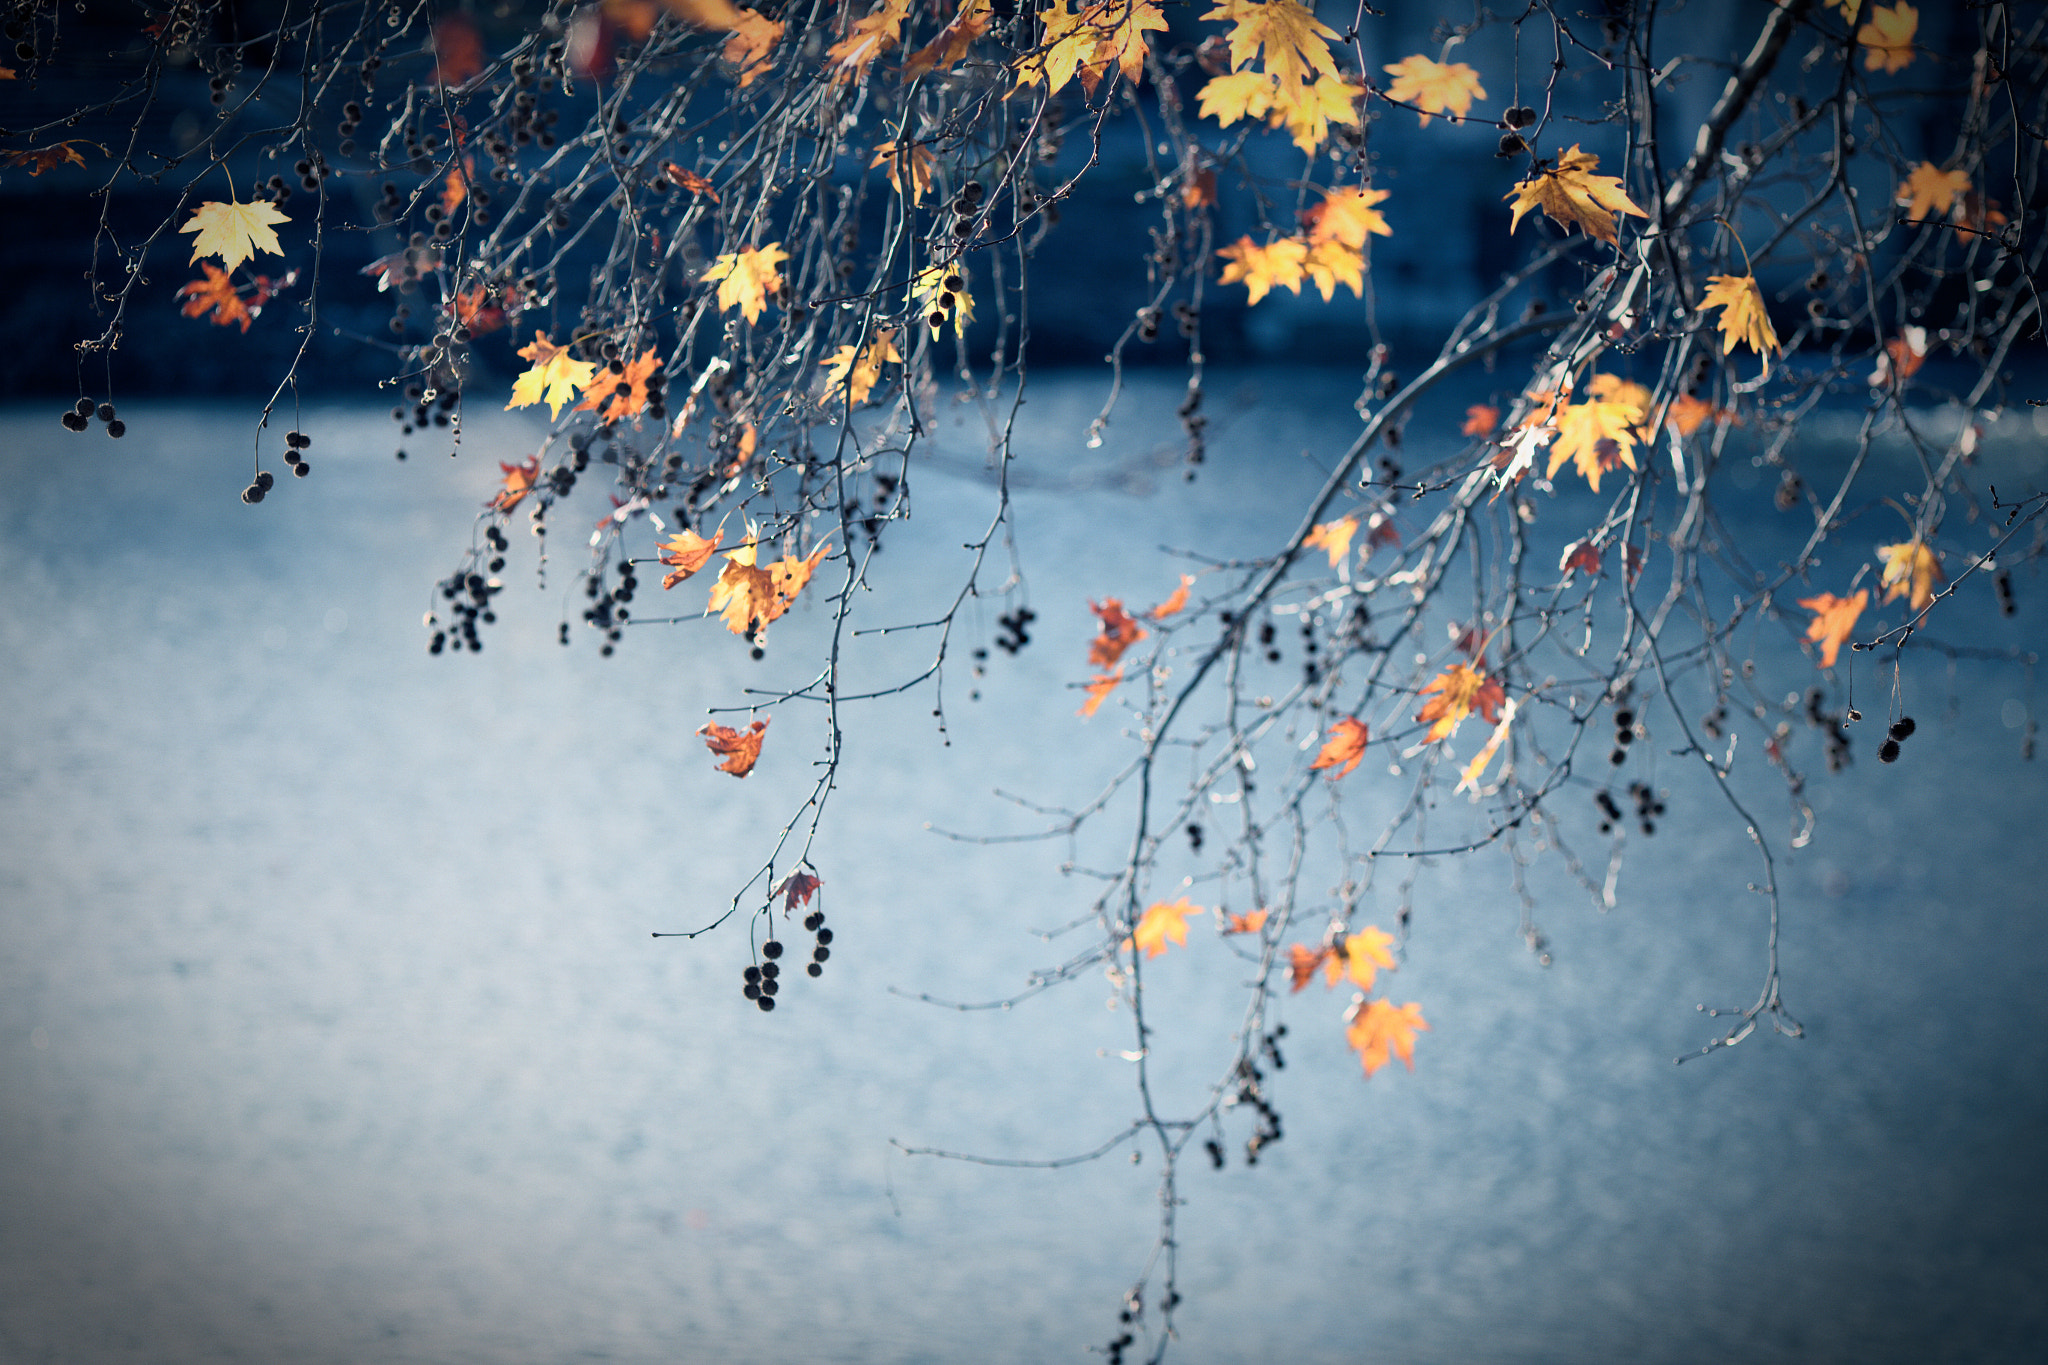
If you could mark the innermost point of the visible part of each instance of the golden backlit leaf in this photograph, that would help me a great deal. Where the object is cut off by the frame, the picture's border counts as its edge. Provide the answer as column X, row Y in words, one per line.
column 1600, row 433
column 40, row 159
column 1261, row 268
column 1247, row 924
column 1293, row 45
column 1163, row 922
column 1088, row 42
column 1460, row 689
column 234, row 232
column 215, row 293
column 1887, row 40
column 741, row 748
column 843, row 370
column 869, row 37
column 952, row 43
column 1343, row 749
column 1743, row 317
column 747, row 277
column 1571, row 195
column 1434, row 87
column 1930, row 190
column 1176, row 602
column 1911, row 569
column 941, row 295
column 910, row 163
column 747, row 597
column 1381, row 1028
column 1098, row 690
column 686, row 552
column 1333, row 538
column 753, row 38
column 553, row 377
column 1834, row 619
column 1480, row 420
column 1360, row 957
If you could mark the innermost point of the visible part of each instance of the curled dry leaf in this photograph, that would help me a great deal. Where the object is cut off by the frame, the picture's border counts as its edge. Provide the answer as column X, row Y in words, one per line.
column 1460, row 689
column 740, row 748
column 687, row 552
column 797, row 889
column 1573, row 197
column 1118, row 630
column 1247, row 924
column 1333, row 538
column 1099, row 688
column 1176, row 602
column 519, row 482
column 1911, row 570
column 1743, row 317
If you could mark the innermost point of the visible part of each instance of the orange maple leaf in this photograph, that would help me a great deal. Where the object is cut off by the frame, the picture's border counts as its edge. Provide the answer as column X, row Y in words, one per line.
column 1887, row 40
column 1902, row 358
column 747, row 277
column 1302, row 962
column 1480, row 420
column 1163, row 922
column 1688, row 414
column 1117, row 631
column 1175, row 603
column 217, row 293
column 1247, row 924
column 753, row 37
column 1833, row 620
column 742, row 748
column 40, row 159
column 1436, row 87
column 483, row 310
column 458, row 49
column 868, row 38
column 748, row 597
column 1344, row 748
column 952, row 42
column 1333, row 538
column 1380, row 1028
column 1460, row 689
column 455, row 188
column 1582, row 555
column 1911, row 570
column 519, row 482
column 620, row 391
column 1572, row 196
column 687, row 552
column 1099, row 688
column 797, row 889
column 1930, row 190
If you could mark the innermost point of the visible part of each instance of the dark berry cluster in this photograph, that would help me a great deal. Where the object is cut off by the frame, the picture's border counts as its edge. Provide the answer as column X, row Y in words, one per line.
column 79, row 416
column 1251, row 1091
column 1902, row 729
column 609, row 610
column 760, row 983
column 1648, row 806
column 296, row 444
column 258, row 488
column 1267, row 637
column 1016, row 629
column 1624, row 734
column 468, row 596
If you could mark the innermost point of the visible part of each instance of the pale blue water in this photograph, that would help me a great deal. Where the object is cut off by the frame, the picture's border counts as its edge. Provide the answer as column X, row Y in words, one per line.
column 331, row 1030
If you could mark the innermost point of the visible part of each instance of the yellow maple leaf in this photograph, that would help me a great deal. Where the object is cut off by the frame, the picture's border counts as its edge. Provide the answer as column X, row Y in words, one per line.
column 1459, row 689
column 1601, row 432
column 1291, row 44
column 1088, row 42
column 748, row 597
column 1332, row 538
column 909, row 162
column 1261, row 268
column 1743, row 318
column 1437, row 87
column 1361, row 956
column 868, row 38
column 1348, row 216
column 1887, row 40
column 1930, row 190
column 1911, row 570
column 234, row 232
column 1241, row 94
column 1162, row 922
column 553, row 377
column 953, row 41
column 1380, row 1028
column 747, row 277
column 1571, row 195
column 1833, row 620
column 841, row 368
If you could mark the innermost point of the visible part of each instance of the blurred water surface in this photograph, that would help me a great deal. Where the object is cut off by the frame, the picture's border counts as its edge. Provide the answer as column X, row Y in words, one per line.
column 331, row 1030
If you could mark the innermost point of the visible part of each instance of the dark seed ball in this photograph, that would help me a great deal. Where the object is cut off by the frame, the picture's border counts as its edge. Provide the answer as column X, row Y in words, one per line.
column 824, row 935
column 1617, row 758
column 265, row 480
column 766, row 1003
column 752, row 974
column 772, row 948
column 252, row 494
column 814, row 969
column 1624, row 718
column 1903, row 728
column 770, row 970
column 1888, row 752
column 820, row 953
column 302, row 469
column 751, row 991
column 757, row 653
column 768, row 986
column 117, row 428
column 106, row 413
column 73, row 422
column 813, row 920
column 83, row 407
